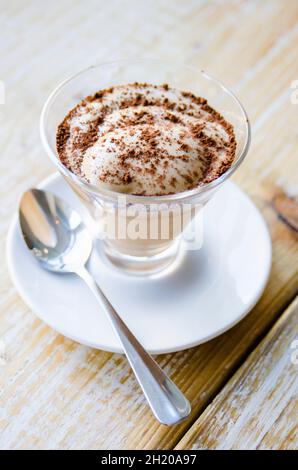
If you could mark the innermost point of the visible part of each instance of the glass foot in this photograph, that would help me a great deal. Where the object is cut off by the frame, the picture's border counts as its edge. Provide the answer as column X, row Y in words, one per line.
column 143, row 265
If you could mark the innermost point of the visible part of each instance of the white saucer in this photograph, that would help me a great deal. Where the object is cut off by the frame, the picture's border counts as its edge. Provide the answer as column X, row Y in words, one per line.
column 210, row 291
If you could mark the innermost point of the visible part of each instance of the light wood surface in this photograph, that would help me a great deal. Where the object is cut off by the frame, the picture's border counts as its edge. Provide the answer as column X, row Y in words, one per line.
column 257, row 408
column 58, row 394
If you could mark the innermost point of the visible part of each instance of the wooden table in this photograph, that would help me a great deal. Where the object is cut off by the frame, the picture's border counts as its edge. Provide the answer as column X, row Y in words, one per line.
column 243, row 385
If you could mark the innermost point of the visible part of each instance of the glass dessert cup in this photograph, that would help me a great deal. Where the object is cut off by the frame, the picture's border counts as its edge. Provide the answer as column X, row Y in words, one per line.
column 141, row 234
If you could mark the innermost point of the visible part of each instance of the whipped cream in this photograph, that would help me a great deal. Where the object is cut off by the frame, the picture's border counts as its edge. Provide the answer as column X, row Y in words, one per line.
column 145, row 139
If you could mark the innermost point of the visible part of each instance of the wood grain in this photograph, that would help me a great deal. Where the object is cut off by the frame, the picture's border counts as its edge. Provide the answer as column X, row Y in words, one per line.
column 58, row 394
column 256, row 409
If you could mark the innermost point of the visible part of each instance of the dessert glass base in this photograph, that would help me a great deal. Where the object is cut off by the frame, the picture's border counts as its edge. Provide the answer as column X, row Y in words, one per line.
column 142, row 265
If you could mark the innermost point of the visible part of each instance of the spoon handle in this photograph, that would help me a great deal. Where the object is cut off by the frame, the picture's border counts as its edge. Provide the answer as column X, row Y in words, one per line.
column 166, row 401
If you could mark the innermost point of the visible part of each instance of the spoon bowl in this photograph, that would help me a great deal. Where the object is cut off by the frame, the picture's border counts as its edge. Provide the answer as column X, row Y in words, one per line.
column 54, row 231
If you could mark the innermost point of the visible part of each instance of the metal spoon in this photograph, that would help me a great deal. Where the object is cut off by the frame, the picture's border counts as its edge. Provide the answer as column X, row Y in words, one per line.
column 58, row 238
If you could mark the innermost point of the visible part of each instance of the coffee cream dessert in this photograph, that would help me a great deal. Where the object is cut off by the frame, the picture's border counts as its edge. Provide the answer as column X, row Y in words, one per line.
column 145, row 140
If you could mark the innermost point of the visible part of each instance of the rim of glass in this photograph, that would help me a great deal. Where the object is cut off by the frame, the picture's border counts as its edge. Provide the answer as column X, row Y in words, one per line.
column 134, row 198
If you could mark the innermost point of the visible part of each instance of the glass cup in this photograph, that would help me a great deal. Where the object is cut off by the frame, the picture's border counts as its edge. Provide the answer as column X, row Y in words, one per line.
column 141, row 234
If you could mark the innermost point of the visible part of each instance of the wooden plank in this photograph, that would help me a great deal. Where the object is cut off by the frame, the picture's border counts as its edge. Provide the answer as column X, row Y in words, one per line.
column 258, row 408
column 55, row 393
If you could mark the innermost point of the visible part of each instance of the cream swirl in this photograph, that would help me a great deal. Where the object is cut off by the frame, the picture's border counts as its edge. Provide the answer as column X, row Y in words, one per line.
column 145, row 139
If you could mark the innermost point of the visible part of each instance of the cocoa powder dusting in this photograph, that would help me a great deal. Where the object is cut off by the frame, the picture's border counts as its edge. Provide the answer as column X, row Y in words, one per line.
column 140, row 112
